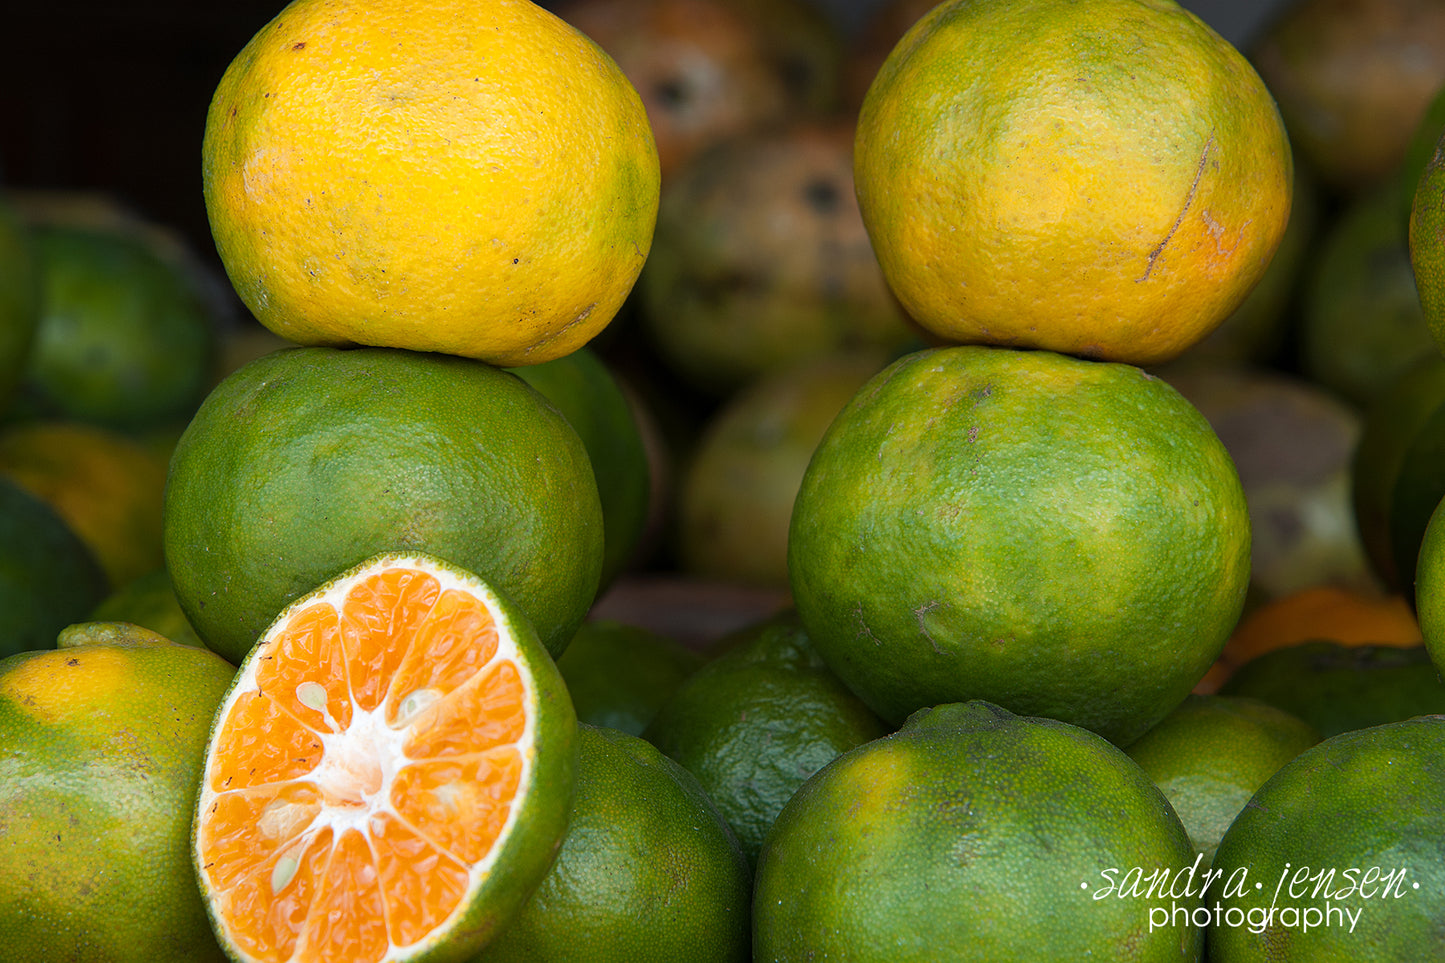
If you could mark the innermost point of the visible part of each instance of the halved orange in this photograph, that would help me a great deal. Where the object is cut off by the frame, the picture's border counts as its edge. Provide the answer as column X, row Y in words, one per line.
column 390, row 775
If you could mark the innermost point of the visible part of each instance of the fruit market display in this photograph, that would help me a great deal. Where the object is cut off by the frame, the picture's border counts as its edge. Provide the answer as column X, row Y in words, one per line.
column 688, row 480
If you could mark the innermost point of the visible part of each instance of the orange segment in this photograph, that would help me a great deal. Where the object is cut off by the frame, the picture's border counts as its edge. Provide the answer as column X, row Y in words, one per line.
column 244, row 829
column 259, row 743
column 378, row 620
column 486, row 713
column 348, row 922
column 421, row 884
column 455, row 640
column 267, row 908
column 460, row 804
column 305, row 671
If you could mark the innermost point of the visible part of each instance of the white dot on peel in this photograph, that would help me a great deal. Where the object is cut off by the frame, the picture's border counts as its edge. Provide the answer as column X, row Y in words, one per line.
column 1415, row 885
column 1259, row 886
column 1086, row 886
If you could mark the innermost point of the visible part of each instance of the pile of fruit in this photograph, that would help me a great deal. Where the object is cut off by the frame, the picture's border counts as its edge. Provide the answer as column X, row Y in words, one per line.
column 662, row 484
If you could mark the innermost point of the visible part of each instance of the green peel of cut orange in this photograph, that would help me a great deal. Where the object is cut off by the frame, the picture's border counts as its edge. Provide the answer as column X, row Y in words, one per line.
column 390, row 775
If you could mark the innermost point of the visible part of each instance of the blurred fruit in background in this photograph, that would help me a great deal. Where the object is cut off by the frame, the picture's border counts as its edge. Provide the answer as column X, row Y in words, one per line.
column 710, row 70
column 582, row 387
column 761, row 260
column 735, row 501
column 108, row 488
column 885, row 25
column 1212, row 753
column 1293, row 443
column 619, row 675
column 1361, row 324
column 150, row 602
column 1353, row 79
column 19, row 301
column 1337, row 687
column 48, row 577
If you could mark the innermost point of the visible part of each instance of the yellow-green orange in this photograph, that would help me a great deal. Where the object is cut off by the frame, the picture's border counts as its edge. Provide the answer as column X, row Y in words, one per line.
column 125, row 339
column 1361, row 811
column 48, row 578
column 619, row 675
column 736, row 496
column 582, row 387
column 1211, row 753
column 1426, row 239
column 1430, row 587
column 1337, row 688
column 1062, row 537
column 754, row 723
column 474, row 178
column 101, row 747
column 1108, row 179
column 108, row 487
column 309, row 460
column 951, row 839
column 648, row 872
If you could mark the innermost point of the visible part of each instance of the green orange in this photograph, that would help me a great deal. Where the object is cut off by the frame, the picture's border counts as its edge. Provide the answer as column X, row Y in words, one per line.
column 1351, row 828
column 309, row 460
column 755, row 722
column 972, row 833
column 648, row 872
column 1062, row 537
column 101, row 748
column 1427, row 242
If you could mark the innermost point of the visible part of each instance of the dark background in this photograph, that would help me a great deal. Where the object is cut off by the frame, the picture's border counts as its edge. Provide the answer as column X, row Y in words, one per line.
column 113, row 96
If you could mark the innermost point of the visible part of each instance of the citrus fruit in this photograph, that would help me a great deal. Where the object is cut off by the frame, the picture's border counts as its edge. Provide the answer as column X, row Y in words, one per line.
column 1352, row 78
column 309, row 460
column 107, row 487
column 390, row 774
column 619, row 675
column 582, row 387
column 736, row 496
column 1419, row 486
column 755, row 722
column 706, row 70
column 19, row 300
column 470, row 178
column 953, row 839
column 1430, row 587
column 1336, row 613
column 1361, row 326
column 762, row 261
column 1330, row 851
column 648, row 871
column 1211, row 753
column 1292, row 443
column 1420, row 151
column 48, row 578
column 1062, row 537
column 1337, row 687
column 148, row 601
column 101, row 746
column 1426, row 241
column 1107, row 179
column 124, row 339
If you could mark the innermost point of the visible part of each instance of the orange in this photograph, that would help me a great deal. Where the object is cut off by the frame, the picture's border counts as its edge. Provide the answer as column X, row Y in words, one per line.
column 1353, row 79
column 1426, row 240
column 388, row 777
column 762, row 261
column 972, row 834
column 736, row 496
column 1350, row 616
column 107, row 487
column 474, row 178
column 756, row 721
column 1351, row 828
column 1108, row 179
column 48, row 578
column 1430, row 588
column 648, row 873
column 309, row 460
column 104, row 740
column 1064, row 538
column 1211, row 753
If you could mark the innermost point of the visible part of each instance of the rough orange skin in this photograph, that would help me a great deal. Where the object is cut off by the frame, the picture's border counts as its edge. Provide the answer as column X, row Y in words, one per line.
column 1106, row 179
column 473, row 178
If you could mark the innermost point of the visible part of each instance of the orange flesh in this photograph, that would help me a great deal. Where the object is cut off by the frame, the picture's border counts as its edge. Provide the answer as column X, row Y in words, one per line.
column 308, row 859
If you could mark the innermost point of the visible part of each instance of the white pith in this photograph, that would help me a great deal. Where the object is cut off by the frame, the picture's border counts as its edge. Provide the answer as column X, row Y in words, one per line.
column 358, row 767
